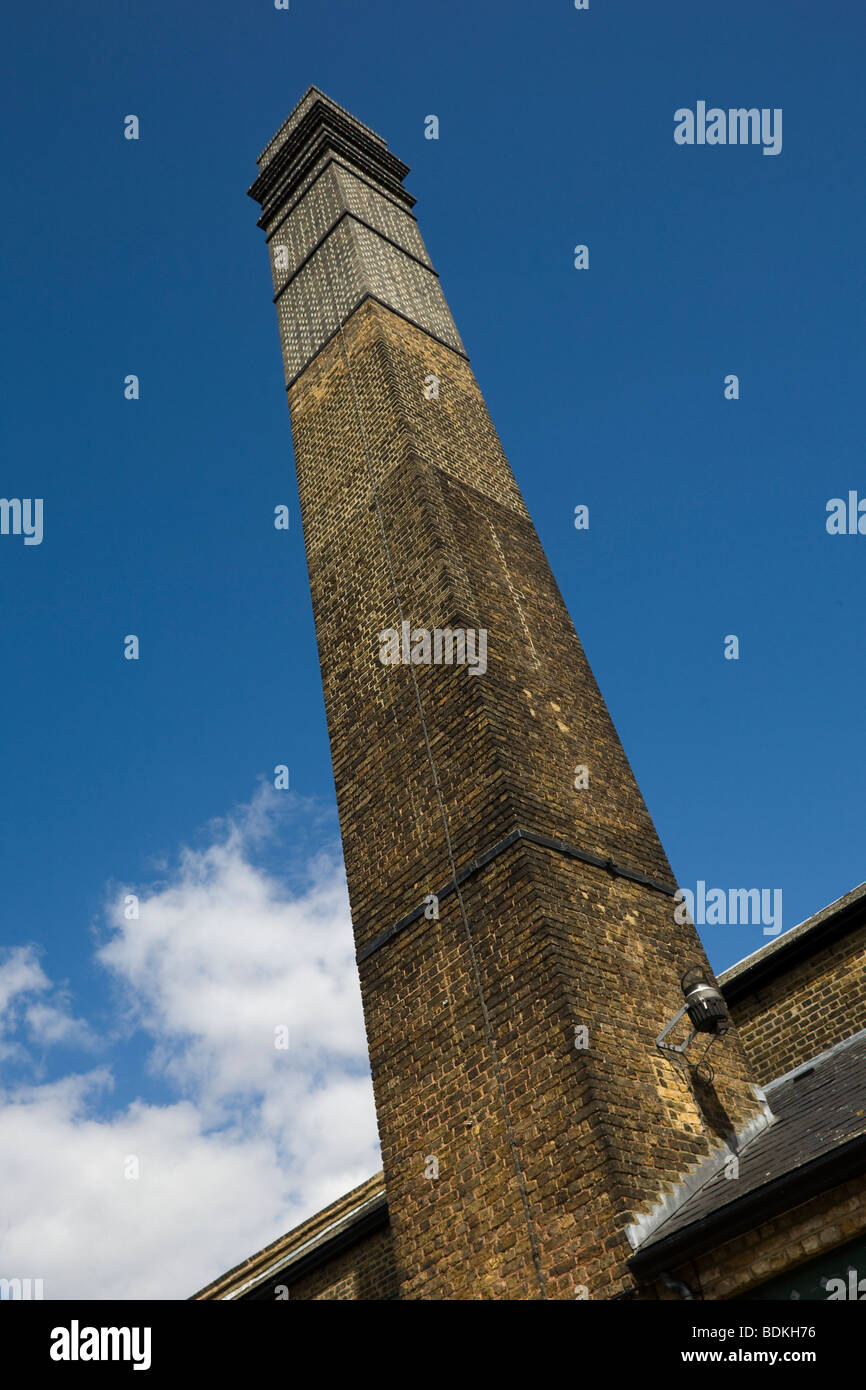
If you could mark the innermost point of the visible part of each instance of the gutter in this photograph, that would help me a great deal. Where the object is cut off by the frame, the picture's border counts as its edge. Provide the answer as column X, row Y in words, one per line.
column 371, row 1219
column 827, row 1171
column 788, row 954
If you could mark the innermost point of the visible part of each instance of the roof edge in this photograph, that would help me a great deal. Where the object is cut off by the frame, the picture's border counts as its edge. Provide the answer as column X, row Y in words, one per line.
column 843, row 915
column 313, row 1237
column 789, row 1190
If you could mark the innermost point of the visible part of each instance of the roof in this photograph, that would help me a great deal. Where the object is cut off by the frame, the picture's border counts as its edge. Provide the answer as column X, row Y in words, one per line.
column 307, row 1246
column 820, row 930
column 817, row 1141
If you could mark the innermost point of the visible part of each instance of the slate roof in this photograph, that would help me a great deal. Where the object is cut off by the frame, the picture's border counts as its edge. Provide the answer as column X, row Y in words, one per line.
column 817, row 1140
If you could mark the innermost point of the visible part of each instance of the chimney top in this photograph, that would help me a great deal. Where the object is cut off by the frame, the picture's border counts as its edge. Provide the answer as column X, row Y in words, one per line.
column 315, row 129
column 311, row 96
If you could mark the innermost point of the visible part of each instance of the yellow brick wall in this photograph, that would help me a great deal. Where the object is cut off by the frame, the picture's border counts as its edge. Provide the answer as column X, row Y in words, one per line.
column 364, row 1272
column 808, row 1009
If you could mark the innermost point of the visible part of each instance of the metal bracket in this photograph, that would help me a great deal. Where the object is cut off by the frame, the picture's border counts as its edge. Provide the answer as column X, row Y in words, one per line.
column 671, row 1047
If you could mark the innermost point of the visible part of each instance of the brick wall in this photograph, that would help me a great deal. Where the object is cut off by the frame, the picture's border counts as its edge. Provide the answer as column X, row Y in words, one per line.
column 807, row 1009
column 366, row 1271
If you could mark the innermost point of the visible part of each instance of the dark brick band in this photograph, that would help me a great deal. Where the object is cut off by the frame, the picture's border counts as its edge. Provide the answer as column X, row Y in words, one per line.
column 546, row 842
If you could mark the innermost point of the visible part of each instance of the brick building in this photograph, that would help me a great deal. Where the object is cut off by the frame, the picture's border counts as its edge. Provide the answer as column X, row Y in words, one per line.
column 543, row 1135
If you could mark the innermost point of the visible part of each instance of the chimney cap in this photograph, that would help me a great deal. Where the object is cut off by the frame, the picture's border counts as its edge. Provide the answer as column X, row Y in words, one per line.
column 316, row 129
column 311, row 97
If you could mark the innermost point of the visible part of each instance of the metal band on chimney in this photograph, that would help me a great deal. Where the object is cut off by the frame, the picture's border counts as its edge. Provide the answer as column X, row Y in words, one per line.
column 530, row 836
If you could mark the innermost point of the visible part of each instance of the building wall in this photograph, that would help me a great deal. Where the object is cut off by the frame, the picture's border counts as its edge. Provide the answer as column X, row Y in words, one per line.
column 793, row 1238
column 364, row 1272
column 818, row 1003
column 736, row 1270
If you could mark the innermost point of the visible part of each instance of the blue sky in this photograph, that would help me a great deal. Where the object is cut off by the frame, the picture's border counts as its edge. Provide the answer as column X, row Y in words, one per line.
column 606, row 386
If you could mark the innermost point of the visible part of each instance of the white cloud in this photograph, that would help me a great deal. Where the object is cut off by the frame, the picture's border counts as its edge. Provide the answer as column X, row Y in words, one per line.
column 257, row 1138
column 20, row 973
column 46, row 1021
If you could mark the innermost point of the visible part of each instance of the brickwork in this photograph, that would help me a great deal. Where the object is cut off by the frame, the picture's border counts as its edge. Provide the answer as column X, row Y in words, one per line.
column 812, row 1229
column 336, row 193
column 340, row 229
column 364, row 1272
column 806, row 1009
column 514, row 1161
column 554, row 944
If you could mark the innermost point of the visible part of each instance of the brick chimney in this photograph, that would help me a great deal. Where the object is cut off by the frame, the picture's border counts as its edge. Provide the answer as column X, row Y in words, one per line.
column 513, row 916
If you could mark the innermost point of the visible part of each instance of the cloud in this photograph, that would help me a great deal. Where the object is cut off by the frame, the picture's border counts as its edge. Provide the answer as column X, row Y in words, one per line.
column 46, row 1021
column 20, row 973
column 222, row 958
